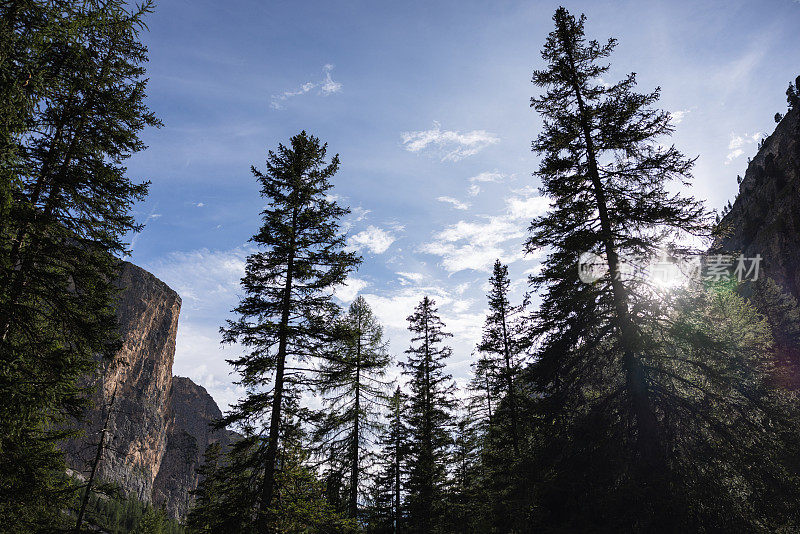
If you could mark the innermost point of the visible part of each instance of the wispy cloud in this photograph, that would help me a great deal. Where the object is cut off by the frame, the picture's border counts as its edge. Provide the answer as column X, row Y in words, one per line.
column 678, row 116
column 374, row 239
column 208, row 282
column 407, row 278
column 350, row 289
column 457, row 204
column 488, row 177
column 738, row 143
column 474, row 245
column 449, row 145
column 327, row 86
column 484, row 177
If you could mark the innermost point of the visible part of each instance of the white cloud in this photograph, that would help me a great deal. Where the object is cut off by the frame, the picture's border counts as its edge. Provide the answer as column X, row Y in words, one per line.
column 407, row 278
column 326, row 87
column 276, row 101
column 738, row 143
column 678, row 116
column 350, row 289
column 393, row 307
column 460, row 257
column 461, row 288
column 527, row 208
column 208, row 283
column 457, row 204
column 488, row 177
column 476, row 244
column 474, row 190
column 448, row 144
column 358, row 213
column 200, row 357
column 373, row 238
column 733, row 154
column 200, row 204
column 203, row 278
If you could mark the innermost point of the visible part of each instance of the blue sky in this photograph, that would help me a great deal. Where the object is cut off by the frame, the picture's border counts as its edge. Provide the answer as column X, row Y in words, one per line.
column 427, row 104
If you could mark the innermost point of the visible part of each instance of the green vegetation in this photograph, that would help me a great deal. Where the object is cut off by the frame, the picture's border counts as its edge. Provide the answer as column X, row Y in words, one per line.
column 618, row 405
column 73, row 89
column 614, row 406
column 287, row 318
column 352, row 381
column 430, row 419
column 122, row 516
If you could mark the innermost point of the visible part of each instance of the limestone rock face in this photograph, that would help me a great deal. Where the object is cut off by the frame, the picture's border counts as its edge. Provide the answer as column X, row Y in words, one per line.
column 765, row 218
column 189, row 434
column 158, row 424
column 142, row 375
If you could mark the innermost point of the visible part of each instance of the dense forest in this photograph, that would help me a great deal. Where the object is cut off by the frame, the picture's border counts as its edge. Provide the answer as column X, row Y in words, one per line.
column 618, row 404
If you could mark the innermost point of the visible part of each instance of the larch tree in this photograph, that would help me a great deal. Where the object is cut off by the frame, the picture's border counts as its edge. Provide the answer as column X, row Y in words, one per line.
column 639, row 399
column 285, row 318
column 72, row 81
column 353, row 385
column 430, row 417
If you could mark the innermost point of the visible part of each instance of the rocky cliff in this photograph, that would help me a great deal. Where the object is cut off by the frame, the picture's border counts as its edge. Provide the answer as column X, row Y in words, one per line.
column 765, row 218
column 158, row 424
column 188, row 436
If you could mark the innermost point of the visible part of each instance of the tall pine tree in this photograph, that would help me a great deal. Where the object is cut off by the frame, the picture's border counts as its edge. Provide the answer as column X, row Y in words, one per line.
column 466, row 500
column 502, row 345
column 73, row 84
column 352, row 382
column 386, row 511
column 286, row 315
column 430, row 418
column 640, row 401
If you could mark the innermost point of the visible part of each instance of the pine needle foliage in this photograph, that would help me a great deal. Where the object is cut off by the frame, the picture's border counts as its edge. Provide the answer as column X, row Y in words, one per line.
column 354, row 389
column 285, row 320
column 430, row 418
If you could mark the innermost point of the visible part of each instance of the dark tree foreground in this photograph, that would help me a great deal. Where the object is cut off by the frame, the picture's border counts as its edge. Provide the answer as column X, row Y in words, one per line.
column 386, row 514
column 653, row 404
column 72, row 82
column 286, row 317
column 503, row 345
column 430, row 418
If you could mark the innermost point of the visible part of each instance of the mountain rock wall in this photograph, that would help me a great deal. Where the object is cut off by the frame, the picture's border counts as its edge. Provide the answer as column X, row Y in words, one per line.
column 158, row 424
column 765, row 218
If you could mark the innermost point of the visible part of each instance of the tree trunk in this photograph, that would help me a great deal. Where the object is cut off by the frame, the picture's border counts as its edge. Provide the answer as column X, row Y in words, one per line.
column 635, row 380
column 427, row 489
column 354, row 467
column 268, row 484
column 98, row 457
column 512, row 398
